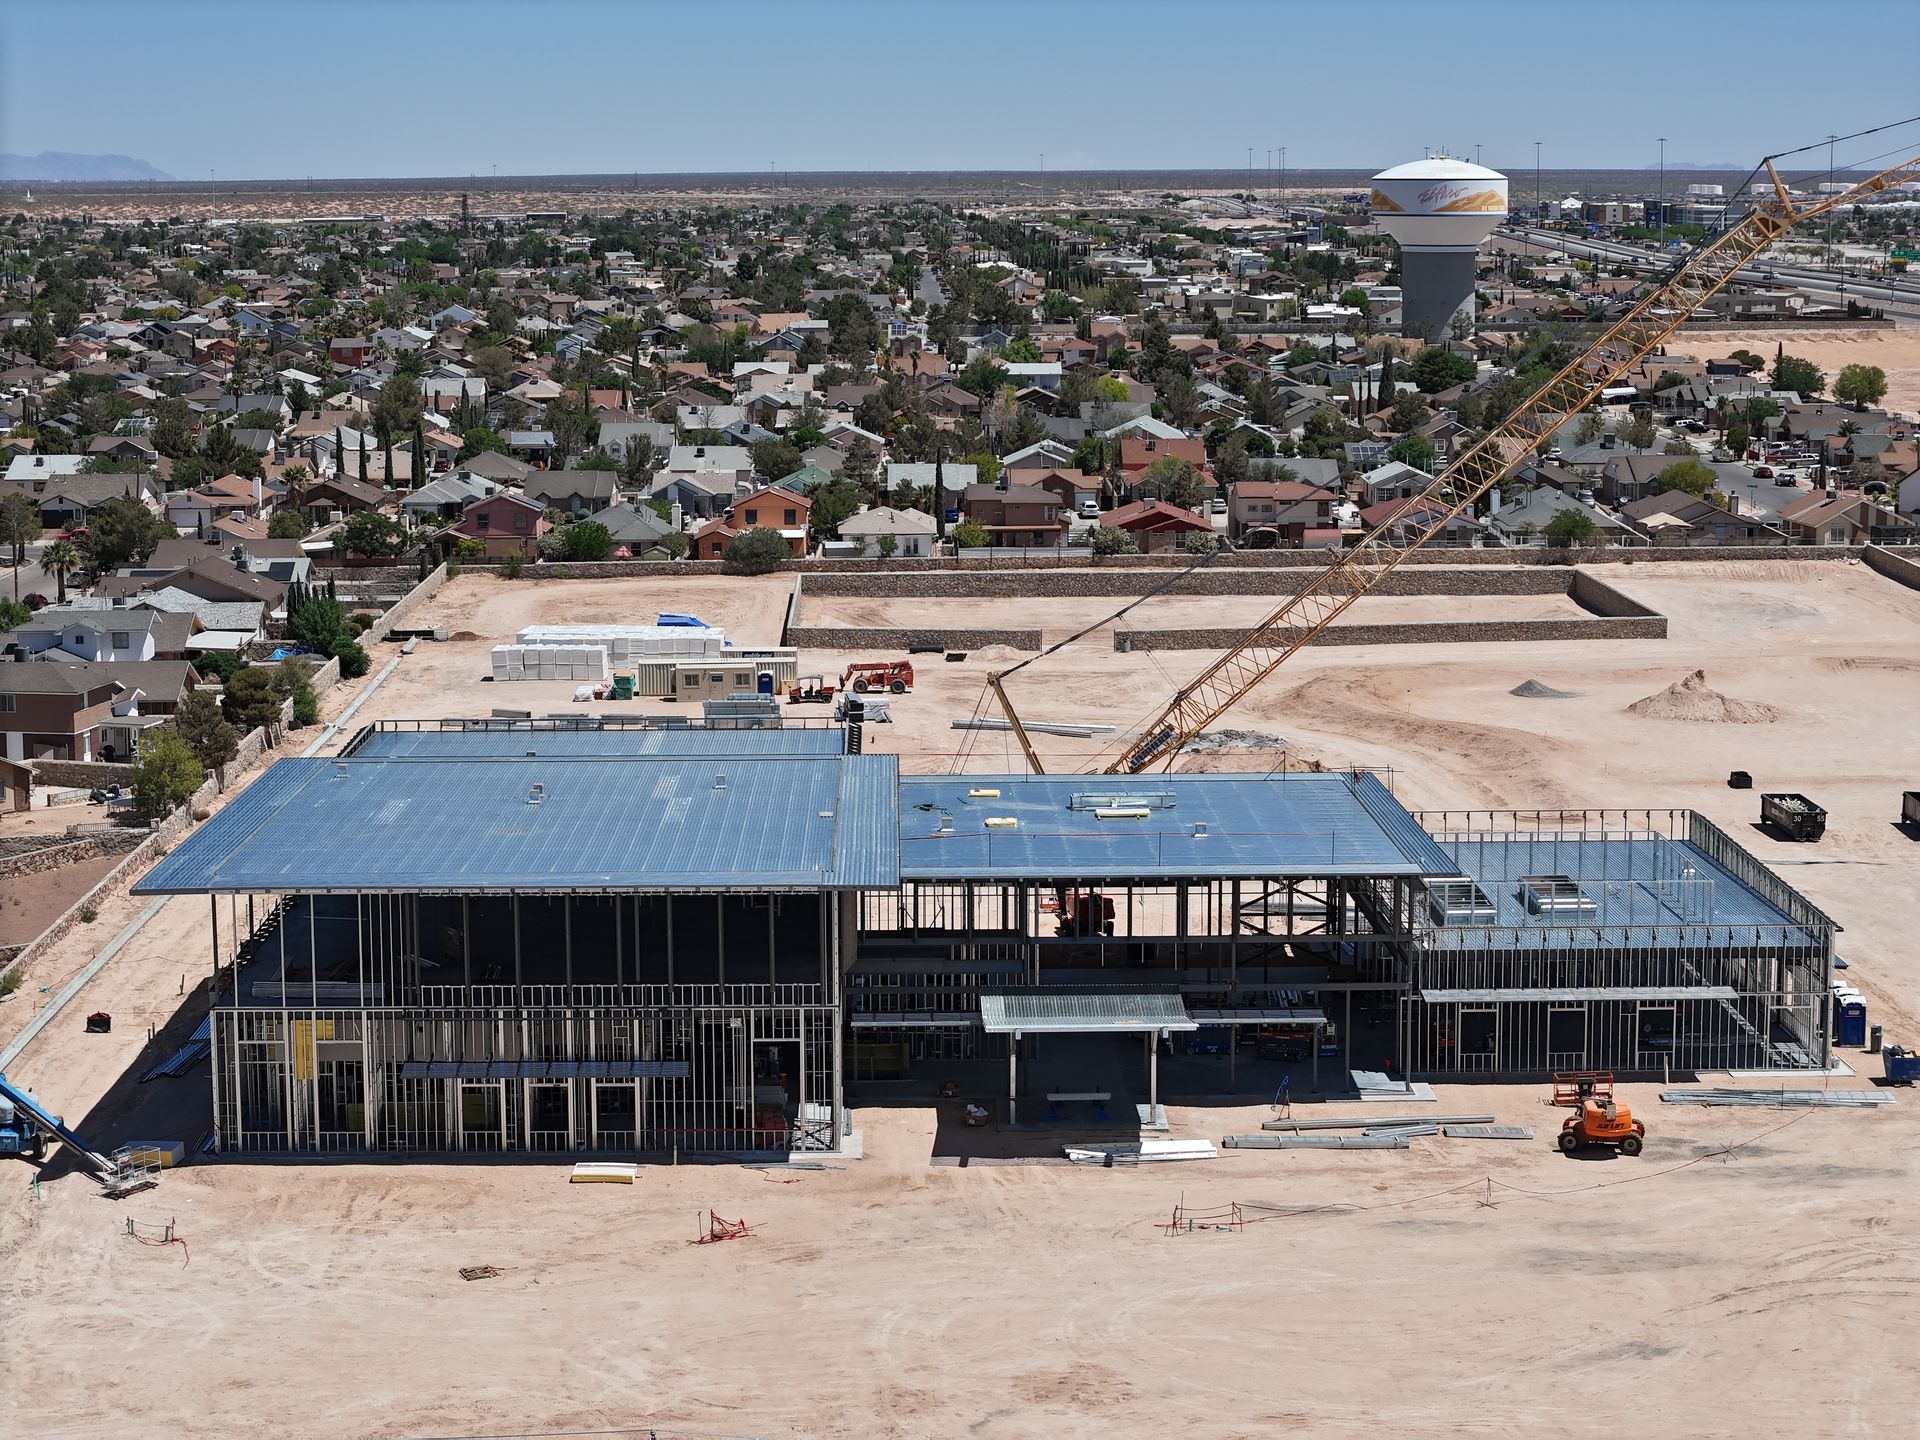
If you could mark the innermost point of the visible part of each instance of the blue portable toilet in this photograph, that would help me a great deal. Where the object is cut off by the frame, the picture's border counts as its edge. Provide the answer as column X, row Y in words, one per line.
column 1849, row 1017
column 763, row 682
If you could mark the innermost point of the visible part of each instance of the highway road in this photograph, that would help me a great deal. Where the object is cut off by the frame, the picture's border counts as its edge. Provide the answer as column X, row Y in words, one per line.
column 1898, row 296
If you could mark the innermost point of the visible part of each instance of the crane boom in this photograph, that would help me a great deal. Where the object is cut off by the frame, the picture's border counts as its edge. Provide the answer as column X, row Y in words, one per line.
column 1477, row 469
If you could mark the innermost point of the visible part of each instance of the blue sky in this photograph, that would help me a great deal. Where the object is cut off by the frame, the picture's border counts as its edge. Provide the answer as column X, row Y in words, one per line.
column 454, row 87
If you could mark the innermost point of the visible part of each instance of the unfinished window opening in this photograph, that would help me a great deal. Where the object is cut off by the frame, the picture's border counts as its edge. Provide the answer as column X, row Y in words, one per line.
column 1460, row 902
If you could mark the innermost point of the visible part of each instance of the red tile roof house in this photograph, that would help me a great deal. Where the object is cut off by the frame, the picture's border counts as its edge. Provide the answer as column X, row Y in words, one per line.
column 1020, row 516
column 1156, row 525
column 710, row 541
column 1401, row 518
column 1286, row 508
column 775, row 508
column 1137, row 454
column 506, row 524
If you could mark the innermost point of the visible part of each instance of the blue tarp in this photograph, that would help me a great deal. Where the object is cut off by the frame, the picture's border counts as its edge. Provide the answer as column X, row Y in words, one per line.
column 688, row 620
column 287, row 652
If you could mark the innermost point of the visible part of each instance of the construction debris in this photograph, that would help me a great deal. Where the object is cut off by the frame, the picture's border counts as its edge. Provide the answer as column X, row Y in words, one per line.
column 1140, row 1152
column 1075, row 729
column 1208, row 740
column 479, row 1272
column 718, row 1230
column 1375, row 1086
column 603, row 1172
column 1780, row 1099
column 1488, row 1132
column 1407, row 1130
column 1371, row 1122
column 1392, row 1139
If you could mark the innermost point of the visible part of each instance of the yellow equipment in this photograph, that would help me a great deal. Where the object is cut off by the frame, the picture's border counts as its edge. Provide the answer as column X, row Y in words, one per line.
column 1473, row 473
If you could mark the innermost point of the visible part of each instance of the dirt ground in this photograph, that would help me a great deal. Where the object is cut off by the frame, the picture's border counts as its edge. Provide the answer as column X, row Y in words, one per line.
column 29, row 904
column 1895, row 351
column 1751, row 1265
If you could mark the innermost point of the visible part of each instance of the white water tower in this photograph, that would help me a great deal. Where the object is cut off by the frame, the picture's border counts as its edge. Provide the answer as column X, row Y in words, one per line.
column 1439, row 210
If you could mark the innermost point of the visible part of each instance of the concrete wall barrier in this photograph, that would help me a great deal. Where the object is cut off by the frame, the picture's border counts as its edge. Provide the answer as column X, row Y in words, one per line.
column 853, row 637
column 1901, row 569
column 1590, row 592
column 66, row 852
column 80, row 774
column 1448, row 632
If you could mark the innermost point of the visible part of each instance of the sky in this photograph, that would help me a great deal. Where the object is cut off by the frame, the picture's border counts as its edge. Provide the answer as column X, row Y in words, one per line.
column 379, row 88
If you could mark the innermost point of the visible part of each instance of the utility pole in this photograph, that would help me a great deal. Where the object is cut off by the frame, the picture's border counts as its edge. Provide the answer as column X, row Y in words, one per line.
column 1663, row 192
column 1830, row 140
column 1283, row 170
column 1536, row 180
column 1476, row 152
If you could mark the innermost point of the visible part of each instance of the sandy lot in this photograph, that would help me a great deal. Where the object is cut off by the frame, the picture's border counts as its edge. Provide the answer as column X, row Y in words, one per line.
column 1895, row 351
column 1751, row 1265
column 1064, row 617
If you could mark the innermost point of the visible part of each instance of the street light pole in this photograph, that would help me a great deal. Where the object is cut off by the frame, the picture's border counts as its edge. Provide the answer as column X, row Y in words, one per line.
column 1536, row 180
column 1663, row 192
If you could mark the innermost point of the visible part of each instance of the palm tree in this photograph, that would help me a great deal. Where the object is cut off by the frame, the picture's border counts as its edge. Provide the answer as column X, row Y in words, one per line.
column 61, row 559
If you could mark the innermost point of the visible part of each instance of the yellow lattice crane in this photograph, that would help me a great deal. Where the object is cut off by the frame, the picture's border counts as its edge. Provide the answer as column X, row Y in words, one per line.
column 1476, row 470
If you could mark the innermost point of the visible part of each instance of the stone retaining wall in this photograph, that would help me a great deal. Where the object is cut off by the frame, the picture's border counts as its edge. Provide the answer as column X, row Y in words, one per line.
column 1901, row 569
column 853, row 637
column 80, row 774
column 1060, row 584
column 66, row 852
column 673, row 571
column 1590, row 592
column 398, row 614
column 1439, row 632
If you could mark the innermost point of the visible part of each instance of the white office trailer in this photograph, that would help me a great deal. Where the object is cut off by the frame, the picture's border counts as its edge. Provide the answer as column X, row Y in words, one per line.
column 626, row 644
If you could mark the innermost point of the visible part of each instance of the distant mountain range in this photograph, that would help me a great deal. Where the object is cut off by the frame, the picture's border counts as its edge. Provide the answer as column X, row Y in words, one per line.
column 52, row 166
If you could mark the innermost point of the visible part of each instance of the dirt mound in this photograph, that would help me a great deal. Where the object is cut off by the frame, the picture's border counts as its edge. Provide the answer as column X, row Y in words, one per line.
column 999, row 652
column 463, row 635
column 1691, row 698
column 1534, row 690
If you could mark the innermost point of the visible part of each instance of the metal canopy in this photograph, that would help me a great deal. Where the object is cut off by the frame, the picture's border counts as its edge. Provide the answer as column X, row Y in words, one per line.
column 1082, row 1010
column 1578, row 993
column 1276, row 1015
column 914, row 1019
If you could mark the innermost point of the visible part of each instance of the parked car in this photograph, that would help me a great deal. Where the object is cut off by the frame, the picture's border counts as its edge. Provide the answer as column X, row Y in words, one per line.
column 1090, row 510
column 1763, row 472
column 1219, row 506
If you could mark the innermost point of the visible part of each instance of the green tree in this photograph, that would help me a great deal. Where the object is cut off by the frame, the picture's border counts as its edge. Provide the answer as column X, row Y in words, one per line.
column 168, row 775
column 861, row 464
column 318, row 624
column 1437, row 368
column 493, row 364
column 1689, row 476
column 1171, row 479
column 586, row 540
column 982, row 376
column 1020, row 352
column 1199, row 542
column 1112, row 389
column 207, row 732
column 13, row 614
column 172, row 433
column 1861, row 386
column 832, row 504
column 1409, row 411
column 122, row 531
column 1638, row 433
column 1677, row 446
column 61, row 559
column 288, row 525
column 19, row 527
column 987, row 465
column 1569, row 528
column 775, row 459
column 757, row 552
column 1415, row 450
column 1592, row 427
column 1737, row 436
column 480, row 440
column 1802, row 377
column 1110, row 540
column 971, row 535
column 375, row 536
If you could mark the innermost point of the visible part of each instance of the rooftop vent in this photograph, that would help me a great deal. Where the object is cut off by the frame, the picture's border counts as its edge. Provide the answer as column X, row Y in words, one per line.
column 1460, row 902
column 719, row 779
column 1002, row 822
column 1554, row 895
column 946, row 824
column 536, row 793
column 983, row 793
column 1122, row 812
column 1121, row 800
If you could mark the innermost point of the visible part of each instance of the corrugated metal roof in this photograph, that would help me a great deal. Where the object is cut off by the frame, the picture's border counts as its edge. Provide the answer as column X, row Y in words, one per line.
column 1413, row 842
column 610, row 743
column 1577, row 993
column 1081, row 1009
column 468, row 825
column 1284, row 824
column 1644, row 890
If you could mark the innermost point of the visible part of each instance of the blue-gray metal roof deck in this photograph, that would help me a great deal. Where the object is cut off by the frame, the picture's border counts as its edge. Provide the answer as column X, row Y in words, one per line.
column 611, row 743
column 1154, row 827
column 553, row 824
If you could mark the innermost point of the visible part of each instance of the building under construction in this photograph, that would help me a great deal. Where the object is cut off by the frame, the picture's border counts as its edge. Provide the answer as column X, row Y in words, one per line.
column 595, row 937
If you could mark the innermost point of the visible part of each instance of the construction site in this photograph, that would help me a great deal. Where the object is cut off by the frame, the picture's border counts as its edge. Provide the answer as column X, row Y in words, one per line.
column 1547, row 984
